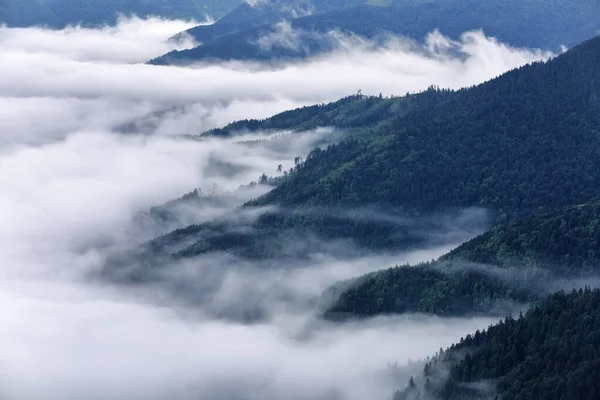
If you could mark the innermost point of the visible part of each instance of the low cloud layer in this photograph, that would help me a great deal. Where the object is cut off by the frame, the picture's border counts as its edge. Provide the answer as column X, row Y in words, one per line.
column 132, row 40
column 73, row 177
column 56, row 82
column 93, row 344
column 395, row 69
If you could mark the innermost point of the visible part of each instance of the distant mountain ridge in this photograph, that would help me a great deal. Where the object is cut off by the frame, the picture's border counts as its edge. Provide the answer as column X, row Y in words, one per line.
column 241, row 35
column 247, row 16
column 58, row 13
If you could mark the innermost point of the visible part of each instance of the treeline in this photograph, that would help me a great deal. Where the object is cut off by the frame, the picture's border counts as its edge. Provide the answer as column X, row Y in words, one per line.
column 294, row 234
column 59, row 13
column 359, row 112
column 551, row 352
column 526, row 142
column 513, row 262
column 445, row 289
column 566, row 242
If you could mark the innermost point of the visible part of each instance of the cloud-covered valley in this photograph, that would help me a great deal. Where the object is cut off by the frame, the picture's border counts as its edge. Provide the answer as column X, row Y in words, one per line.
column 81, row 79
column 73, row 178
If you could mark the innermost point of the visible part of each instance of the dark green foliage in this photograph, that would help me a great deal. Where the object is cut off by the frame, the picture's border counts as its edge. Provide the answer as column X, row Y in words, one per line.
column 553, row 352
column 525, row 142
column 521, row 144
column 26, row 13
column 532, row 252
column 518, row 22
column 357, row 114
column 566, row 242
column 441, row 289
column 296, row 234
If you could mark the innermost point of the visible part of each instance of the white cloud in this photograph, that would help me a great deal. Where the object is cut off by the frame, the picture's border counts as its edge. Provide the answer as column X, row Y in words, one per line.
column 254, row 3
column 131, row 40
column 283, row 35
column 65, row 342
column 394, row 69
column 87, row 79
column 71, row 182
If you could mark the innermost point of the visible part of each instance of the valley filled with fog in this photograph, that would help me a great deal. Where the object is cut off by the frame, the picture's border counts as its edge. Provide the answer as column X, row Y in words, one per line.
column 92, row 137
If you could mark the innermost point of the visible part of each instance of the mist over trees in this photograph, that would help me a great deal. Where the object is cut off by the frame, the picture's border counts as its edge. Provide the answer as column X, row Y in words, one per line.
column 515, row 262
column 148, row 256
column 550, row 352
column 506, row 145
column 522, row 146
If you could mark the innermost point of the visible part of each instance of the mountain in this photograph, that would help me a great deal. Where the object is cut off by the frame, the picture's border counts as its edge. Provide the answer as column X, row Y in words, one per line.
column 358, row 116
column 566, row 242
column 513, row 262
column 58, row 13
column 549, row 353
column 524, row 143
column 259, row 13
column 249, row 33
column 447, row 289
column 192, row 207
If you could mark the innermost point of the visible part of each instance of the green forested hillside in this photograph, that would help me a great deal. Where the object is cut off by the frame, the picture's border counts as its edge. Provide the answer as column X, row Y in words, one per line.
column 512, row 262
column 552, row 352
column 525, row 143
column 442, row 288
column 524, row 23
column 566, row 242
column 358, row 114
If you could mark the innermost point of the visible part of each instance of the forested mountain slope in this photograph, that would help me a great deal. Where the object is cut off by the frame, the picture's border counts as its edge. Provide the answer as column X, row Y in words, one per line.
column 517, row 22
column 566, row 242
column 515, row 261
column 526, row 142
column 552, row 352
column 442, row 288
column 352, row 114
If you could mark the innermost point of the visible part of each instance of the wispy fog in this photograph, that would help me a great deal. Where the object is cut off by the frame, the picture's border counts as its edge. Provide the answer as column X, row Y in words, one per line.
column 71, row 342
column 81, row 79
column 88, row 138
